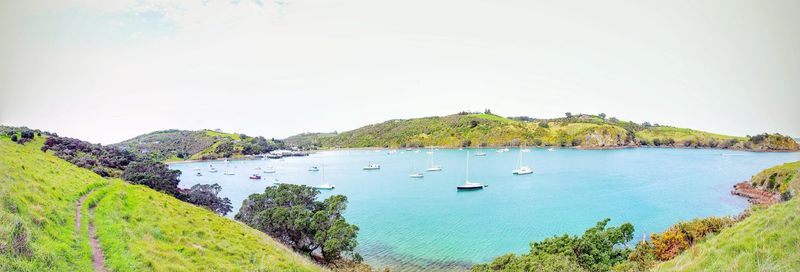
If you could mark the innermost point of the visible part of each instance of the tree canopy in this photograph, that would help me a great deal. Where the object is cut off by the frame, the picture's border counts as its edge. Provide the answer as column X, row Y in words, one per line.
column 293, row 215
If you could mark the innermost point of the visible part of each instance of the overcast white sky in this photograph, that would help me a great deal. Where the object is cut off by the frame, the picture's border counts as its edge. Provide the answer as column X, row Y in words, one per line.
column 105, row 71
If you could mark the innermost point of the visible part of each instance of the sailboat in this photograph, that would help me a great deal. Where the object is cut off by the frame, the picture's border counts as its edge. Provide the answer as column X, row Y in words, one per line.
column 522, row 169
column 470, row 185
column 414, row 173
column 325, row 185
column 431, row 166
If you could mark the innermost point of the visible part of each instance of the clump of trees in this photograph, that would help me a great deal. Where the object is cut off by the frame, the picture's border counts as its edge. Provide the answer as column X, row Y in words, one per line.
column 598, row 249
column 293, row 215
column 103, row 160
column 208, row 196
column 152, row 174
column 111, row 161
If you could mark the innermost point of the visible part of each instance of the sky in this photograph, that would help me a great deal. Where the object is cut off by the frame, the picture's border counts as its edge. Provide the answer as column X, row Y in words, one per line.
column 106, row 71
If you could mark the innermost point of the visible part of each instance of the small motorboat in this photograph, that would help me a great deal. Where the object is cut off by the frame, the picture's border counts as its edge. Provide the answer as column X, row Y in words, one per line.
column 416, row 175
column 551, row 149
column 408, row 149
column 258, row 167
column 480, row 154
column 255, row 176
column 526, row 150
column 372, row 166
column 313, row 169
column 199, row 174
column 228, row 173
column 212, row 170
column 197, row 169
column 269, row 170
column 326, row 186
column 434, row 168
column 467, row 186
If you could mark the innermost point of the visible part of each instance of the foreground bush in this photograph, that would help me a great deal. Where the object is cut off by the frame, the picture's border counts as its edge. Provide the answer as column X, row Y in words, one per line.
column 598, row 249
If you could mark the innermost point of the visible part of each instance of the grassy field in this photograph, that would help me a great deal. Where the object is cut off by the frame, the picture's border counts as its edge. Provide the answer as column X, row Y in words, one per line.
column 768, row 240
column 138, row 228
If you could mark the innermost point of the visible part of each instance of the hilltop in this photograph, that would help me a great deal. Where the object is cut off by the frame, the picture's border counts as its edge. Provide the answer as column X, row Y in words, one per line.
column 176, row 145
column 489, row 130
column 138, row 228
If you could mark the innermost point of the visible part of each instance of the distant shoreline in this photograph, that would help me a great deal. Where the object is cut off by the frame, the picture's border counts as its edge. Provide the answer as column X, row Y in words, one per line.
column 493, row 147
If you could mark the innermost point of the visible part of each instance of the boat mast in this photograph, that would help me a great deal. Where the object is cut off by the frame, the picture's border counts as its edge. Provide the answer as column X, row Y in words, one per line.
column 467, row 167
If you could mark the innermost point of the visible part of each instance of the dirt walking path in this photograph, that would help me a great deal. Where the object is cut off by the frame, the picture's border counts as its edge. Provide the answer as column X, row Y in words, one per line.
column 98, row 261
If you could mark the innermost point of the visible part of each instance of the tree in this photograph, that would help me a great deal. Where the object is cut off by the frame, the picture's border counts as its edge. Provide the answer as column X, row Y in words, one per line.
column 602, row 116
column 152, row 174
column 646, row 124
column 291, row 214
column 207, row 196
column 14, row 137
column 568, row 114
column 613, row 120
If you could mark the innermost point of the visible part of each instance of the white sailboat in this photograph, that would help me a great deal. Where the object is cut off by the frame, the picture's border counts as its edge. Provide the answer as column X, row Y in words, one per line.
column 431, row 166
column 470, row 185
column 522, row 168
column 414, row 173
column 325, row 185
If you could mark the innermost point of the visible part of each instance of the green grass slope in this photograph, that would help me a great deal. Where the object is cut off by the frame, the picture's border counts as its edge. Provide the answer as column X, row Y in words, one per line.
column 477, row 130
column 138, row 228
column 767, row 240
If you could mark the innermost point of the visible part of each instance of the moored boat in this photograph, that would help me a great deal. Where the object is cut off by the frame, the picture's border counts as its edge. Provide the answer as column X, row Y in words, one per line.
column 467, row 186
column 372, row 166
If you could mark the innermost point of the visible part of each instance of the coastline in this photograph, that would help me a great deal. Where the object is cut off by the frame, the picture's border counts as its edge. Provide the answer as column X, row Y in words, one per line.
column 496, row 147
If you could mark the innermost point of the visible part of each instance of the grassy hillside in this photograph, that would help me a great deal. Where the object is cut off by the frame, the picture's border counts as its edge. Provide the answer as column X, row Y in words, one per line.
column 586, row 131
column 780, row 179
column 176, row 145
column 138, row 228
column 767, row 240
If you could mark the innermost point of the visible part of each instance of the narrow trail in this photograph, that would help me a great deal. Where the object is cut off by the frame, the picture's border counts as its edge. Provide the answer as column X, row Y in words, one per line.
column 98, row 260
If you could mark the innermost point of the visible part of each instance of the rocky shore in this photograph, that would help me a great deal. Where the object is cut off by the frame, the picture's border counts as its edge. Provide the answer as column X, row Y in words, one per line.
column 755, row 195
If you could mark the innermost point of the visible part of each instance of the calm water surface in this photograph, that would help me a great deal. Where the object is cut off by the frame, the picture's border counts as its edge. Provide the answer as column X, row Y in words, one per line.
column 411, row 224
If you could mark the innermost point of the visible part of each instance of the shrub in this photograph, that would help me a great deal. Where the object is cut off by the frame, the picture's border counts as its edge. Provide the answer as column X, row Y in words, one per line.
column 598, row 249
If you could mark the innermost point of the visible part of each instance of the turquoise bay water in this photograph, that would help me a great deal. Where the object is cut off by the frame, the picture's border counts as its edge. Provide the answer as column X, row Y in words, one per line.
column 425, row 224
